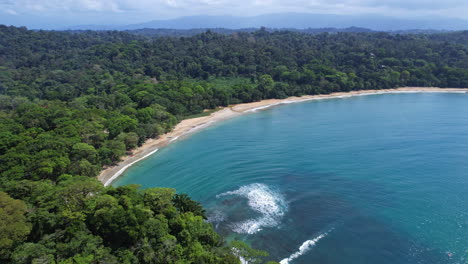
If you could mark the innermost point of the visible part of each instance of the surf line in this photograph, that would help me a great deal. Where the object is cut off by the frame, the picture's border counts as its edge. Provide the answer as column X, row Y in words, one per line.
column 117, row 174
column 304, row 248
column 123, row 169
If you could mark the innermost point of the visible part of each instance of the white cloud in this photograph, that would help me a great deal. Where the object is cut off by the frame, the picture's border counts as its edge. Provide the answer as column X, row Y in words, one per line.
column 240, row 5
column 124, row 11
column 172, row 3
column 263, row 2
column 11, row 11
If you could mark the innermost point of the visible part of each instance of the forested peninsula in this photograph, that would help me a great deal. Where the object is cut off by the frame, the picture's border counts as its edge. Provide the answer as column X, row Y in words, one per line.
column 72, row 103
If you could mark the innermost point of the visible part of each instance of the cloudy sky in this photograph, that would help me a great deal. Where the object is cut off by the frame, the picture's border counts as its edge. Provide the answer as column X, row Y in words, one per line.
column 47, row 13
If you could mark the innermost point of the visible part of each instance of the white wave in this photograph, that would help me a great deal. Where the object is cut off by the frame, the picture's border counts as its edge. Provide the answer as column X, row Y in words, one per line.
column 124, row 168
column 261, row 107
column 270, row 204
column 279, row 103
column 174, row 138
column 195, row 128
column 306, row 246
column 236, row 253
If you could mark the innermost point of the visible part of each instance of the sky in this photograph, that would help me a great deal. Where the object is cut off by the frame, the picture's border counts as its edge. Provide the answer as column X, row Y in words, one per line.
column 57, row 13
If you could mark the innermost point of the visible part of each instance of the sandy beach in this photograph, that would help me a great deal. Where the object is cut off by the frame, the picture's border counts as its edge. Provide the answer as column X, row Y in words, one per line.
column 189, row 126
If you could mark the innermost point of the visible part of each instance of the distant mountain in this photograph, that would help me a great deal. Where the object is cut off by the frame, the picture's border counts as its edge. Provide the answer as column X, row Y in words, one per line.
column 163, row 32
column 294, row 20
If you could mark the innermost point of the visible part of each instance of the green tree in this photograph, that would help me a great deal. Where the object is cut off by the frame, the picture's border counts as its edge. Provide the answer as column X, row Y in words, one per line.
column 13, row 224
column 265, row 85
column 33, row 253
column 84, row 151
column 184, row 204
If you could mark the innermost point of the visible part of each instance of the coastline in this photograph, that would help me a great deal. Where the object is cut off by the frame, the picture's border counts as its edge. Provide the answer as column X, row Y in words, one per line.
column 189, row 126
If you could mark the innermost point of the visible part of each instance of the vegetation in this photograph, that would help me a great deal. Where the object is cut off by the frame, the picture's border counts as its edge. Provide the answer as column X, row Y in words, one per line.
column 71, row 103
column 77, row 220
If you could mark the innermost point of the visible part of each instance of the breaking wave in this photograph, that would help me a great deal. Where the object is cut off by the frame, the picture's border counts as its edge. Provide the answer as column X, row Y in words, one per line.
column 306, row 246
column 270, row 204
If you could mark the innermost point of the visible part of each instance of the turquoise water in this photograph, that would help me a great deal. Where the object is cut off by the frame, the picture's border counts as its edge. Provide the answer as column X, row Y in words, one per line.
column 367, row 179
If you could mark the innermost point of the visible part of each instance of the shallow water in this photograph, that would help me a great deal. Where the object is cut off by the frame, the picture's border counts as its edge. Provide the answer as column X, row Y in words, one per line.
column 367, row 179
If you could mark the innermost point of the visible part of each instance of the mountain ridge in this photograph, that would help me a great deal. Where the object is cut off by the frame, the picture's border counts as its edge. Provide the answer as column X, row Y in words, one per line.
column 291, row 20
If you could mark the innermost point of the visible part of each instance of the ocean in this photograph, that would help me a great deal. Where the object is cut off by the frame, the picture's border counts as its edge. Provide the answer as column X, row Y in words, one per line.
column 366, row 179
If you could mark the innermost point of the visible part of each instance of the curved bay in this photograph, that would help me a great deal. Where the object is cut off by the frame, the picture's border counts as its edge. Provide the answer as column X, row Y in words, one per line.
column 384, row 176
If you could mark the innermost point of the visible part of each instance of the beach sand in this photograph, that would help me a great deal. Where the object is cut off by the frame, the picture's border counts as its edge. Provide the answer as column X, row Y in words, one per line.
column 189, row 126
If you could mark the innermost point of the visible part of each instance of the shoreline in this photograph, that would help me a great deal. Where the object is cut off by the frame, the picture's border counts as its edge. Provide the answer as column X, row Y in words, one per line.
column 188, row 126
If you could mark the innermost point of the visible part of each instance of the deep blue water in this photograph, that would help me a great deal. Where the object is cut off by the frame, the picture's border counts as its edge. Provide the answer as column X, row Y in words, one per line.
column 373, row 179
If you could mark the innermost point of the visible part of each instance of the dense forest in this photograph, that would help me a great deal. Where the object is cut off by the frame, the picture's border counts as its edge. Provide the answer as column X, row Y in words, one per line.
column 165, row 32
column 73, row 102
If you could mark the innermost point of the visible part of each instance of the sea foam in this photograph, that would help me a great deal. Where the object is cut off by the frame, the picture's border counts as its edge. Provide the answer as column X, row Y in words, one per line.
column 306, row 246
column 216, row 218
column 270, row 204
